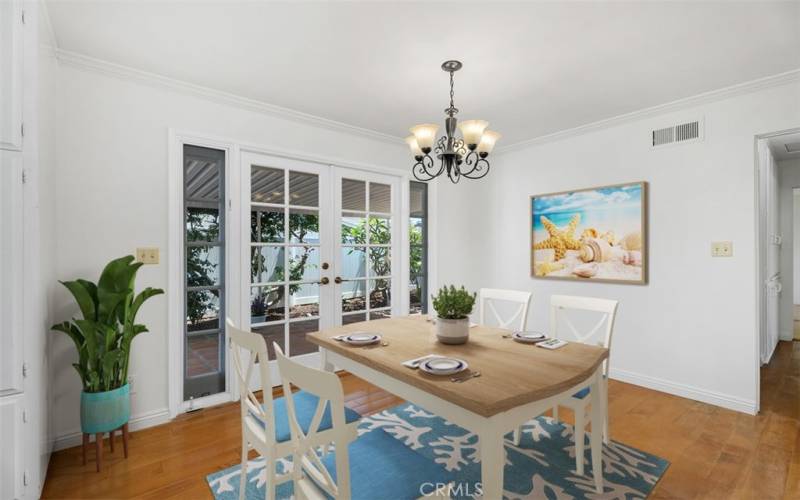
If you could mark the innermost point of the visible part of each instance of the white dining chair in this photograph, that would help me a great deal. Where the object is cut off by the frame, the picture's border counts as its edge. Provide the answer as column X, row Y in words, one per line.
column 265, row 426
column 603, row 313
column 373, row 465
column 489, row 296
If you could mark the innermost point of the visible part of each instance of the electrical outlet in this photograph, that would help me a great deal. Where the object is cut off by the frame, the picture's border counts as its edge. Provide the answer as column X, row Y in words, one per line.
column 131, row 385
column 147, row 255
column 722, row 249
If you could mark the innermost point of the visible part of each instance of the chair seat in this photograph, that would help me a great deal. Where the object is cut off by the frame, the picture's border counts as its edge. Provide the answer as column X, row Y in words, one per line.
column 383, row 467
column 305, row 405
column 584, row 392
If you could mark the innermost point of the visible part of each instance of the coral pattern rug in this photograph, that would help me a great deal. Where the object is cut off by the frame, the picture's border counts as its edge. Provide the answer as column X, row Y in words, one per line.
column 541, row 467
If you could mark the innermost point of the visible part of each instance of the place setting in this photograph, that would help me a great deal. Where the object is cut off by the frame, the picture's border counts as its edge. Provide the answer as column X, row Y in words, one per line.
column 362, row 339
column 538, row 339
column 443, row 366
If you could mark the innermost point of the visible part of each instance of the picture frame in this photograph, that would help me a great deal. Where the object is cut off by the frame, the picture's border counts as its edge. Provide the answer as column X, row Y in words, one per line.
column 597, row 234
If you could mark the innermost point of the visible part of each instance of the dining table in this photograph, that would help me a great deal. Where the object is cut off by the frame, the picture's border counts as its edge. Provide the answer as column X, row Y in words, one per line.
column 517, row 381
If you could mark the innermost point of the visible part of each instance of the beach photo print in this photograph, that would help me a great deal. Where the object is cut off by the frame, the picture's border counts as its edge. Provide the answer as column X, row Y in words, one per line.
column 596, row 234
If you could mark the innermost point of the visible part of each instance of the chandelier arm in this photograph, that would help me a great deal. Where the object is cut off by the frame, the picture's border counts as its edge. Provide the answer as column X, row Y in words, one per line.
column 421, row 169
column 479, row 170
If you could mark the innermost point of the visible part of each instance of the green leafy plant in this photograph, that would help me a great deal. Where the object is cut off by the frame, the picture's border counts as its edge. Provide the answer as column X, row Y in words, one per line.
column 103, row 337
column 453, row 303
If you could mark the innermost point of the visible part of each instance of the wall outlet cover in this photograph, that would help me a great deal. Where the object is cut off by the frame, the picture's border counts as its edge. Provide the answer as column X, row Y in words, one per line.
column 147, row 255
column 722, row 249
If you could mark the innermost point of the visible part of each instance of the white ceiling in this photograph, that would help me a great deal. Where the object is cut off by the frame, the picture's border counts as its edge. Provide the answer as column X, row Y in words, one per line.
column 529, row 68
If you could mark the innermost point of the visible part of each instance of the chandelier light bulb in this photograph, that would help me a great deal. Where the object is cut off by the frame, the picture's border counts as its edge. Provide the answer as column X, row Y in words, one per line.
column 425, row 134
column 472, row 130
column 412, row 144
column 488, row 139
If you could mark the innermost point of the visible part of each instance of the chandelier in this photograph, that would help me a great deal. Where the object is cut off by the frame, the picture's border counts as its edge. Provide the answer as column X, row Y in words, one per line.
column 465, row 157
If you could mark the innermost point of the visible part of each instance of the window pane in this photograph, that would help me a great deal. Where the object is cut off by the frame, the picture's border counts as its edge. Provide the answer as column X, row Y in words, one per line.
column 380, row 294
column 202, row 354
column 303, row 189
column 271, row 333
column 353, row 318
column 415, row 228
column 266, row 264
column 304, row 300
column 380, row 314
column 201, row 169
column 353, row 295
column 267, row 303
column 266, row 225
column 298, row 344
column 304, row 263
column 354, row 195
column 419, row 200
column 354, row 263
column 202, row 224
column 380, row 198
column 380, row 261
column 417, row 260
column 353, row 229
column 266, row 185
column 416, row 291
column 303, row 226
column 380, row 231
column 202, row 310
column 202, row 266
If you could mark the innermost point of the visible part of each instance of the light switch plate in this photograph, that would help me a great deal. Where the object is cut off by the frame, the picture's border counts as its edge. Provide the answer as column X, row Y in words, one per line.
column 147, row 255
column 722, row 249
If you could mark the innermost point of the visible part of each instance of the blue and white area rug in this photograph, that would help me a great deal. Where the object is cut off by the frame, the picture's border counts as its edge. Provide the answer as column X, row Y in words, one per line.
column 541, row 467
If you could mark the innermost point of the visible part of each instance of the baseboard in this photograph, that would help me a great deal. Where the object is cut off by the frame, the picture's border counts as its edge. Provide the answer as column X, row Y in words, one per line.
column 686, row 391
column 138, row 422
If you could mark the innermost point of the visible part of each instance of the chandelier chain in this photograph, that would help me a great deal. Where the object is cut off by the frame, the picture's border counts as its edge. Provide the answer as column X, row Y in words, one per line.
column 452, row 93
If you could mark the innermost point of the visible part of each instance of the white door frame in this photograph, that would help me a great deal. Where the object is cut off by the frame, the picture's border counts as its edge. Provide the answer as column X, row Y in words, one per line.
column 234, row 277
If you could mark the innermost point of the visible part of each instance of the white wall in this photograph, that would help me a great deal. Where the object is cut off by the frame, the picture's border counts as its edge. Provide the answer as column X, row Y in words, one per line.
column 692, row 330
column 789, row 171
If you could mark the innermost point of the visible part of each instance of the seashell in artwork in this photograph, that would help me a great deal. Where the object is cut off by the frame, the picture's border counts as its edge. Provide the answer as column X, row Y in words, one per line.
column 588, row 234
column 545, row 268
column 633, row 258
column 609, row 237
column 632, row 241
column 586, row 270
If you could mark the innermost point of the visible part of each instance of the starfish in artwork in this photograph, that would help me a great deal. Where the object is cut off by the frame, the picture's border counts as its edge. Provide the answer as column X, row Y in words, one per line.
column 560, row 240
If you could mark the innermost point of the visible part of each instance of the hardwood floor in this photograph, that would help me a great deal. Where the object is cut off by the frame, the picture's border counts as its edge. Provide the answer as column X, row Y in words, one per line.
column 715, row 453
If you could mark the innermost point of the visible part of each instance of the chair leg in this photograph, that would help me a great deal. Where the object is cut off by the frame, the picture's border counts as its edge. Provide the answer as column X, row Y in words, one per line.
column 243, row 473
column 98, row 447
column 580, row 429
column 604, row 401
column 125, row 439
column 111, row 440
column 269, row 469
column 85, row 445
column 555, row 413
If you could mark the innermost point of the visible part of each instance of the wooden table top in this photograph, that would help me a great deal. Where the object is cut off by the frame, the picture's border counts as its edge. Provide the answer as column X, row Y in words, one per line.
column 512, row 374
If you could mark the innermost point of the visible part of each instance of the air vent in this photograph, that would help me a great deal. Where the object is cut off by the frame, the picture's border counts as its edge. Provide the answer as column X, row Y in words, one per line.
column 684, row 132
column 792, row 147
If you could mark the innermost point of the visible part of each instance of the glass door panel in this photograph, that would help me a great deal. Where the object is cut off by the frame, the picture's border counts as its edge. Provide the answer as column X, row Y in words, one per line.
column 366, row 206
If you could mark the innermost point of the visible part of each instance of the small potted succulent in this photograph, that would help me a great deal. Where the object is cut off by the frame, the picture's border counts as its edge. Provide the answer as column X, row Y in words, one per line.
column 258, row 309
column 453, row 307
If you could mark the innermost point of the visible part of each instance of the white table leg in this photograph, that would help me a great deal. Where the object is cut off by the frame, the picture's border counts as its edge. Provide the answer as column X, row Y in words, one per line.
column 326, row 364
column 492, row 462
column 596, row 438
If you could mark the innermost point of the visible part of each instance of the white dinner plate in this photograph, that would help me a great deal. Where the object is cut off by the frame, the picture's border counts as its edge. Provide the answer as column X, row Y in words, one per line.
column 362, row 338
column 529, row 337
column 443, row 366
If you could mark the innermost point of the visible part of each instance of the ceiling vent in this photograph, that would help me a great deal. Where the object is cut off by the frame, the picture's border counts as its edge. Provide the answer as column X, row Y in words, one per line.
column 685, row 132
column 792, row 147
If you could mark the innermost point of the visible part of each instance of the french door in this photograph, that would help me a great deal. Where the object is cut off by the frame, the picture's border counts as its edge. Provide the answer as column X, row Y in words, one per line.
column 320, row 242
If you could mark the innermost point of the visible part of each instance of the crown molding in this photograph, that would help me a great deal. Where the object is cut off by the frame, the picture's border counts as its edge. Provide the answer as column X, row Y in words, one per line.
column 785, row 78
column 87, row 63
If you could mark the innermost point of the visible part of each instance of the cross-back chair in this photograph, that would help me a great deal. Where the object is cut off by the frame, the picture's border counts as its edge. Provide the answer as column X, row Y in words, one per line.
column 488, row 297
column 373, row 465
column 265, row 426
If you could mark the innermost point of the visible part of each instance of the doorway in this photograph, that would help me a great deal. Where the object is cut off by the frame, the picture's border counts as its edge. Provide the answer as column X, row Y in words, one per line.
column 320, row 243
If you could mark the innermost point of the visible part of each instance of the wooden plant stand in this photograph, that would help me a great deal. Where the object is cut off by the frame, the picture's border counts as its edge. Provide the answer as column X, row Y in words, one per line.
column 99, row 444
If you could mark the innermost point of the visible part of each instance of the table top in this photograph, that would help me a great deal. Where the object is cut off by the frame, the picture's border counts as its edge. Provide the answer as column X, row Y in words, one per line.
column 512, row 373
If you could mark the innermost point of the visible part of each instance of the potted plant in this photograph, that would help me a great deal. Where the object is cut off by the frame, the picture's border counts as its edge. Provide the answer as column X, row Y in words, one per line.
column 258, row 309
column 103, row 340
column 453, row 307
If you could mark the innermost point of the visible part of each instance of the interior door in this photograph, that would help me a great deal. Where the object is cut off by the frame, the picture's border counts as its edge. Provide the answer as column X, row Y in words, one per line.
column 287, row 260
column 367, row 245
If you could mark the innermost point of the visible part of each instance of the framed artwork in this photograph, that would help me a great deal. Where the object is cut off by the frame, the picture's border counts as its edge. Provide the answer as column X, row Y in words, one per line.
column 597, row 234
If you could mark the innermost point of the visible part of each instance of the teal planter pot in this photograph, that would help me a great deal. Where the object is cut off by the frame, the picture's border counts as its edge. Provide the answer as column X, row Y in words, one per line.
column 105, row 411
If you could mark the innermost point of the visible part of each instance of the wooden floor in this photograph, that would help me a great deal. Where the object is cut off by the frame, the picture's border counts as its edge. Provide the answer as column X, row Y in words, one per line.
column 715, row 453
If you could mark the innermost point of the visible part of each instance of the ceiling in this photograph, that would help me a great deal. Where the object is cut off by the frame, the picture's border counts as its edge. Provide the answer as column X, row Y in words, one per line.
column 785, row 147
column 529, row 68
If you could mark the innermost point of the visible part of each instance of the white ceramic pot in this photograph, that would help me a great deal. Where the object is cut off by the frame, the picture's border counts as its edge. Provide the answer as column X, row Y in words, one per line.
column 452, row 331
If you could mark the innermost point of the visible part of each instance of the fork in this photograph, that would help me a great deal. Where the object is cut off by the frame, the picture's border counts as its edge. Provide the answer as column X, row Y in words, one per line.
column 458, row 380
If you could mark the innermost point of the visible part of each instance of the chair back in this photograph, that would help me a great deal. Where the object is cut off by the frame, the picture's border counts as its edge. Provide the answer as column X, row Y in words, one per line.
column 488, row 297
column 328, row 388
column 249, row 351
column 562, row 305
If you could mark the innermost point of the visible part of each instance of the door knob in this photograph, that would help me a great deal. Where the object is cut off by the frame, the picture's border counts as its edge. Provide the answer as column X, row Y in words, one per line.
column 324, row 281
column 337, row 280
column 325, row 265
